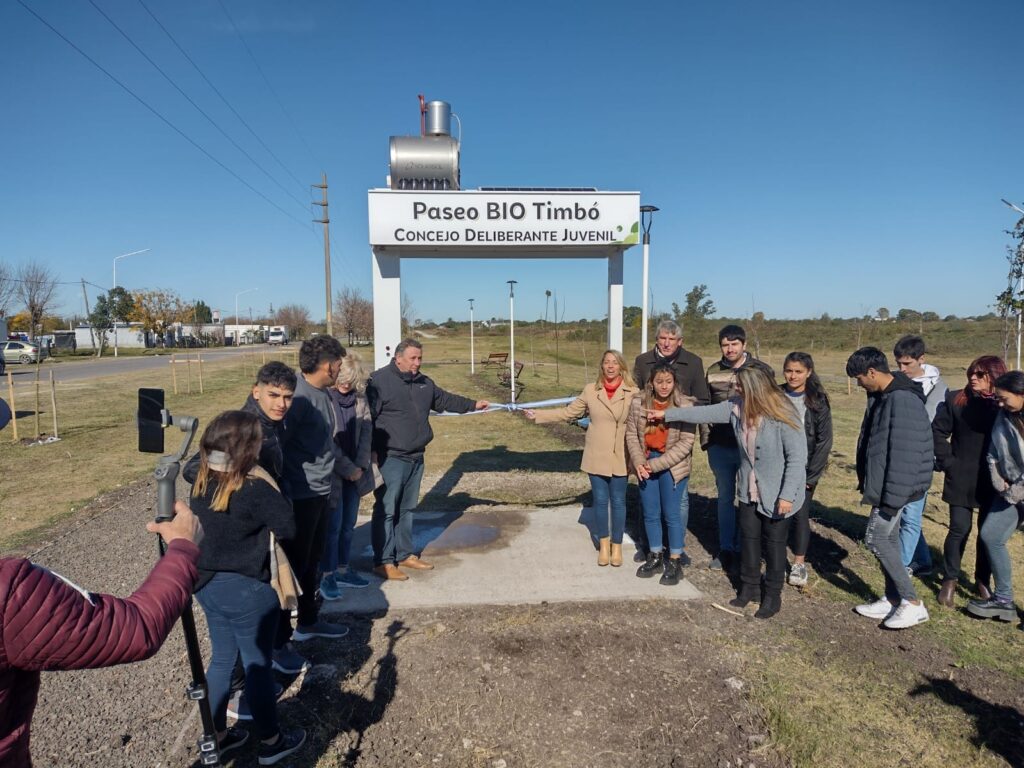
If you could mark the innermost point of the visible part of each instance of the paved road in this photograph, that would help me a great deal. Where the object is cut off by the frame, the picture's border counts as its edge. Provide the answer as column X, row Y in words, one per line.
column 64, row 372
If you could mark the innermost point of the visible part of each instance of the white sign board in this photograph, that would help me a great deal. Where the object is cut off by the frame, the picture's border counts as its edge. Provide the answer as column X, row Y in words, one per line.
column 471, row 219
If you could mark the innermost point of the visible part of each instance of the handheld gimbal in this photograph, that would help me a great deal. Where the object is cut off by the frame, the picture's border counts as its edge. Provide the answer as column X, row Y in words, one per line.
column 153, row 418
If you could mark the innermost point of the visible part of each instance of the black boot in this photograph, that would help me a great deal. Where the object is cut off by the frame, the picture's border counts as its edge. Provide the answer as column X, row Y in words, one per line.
column 771, row 603
column 746, row 595
column 654, row 563
column 673, row 570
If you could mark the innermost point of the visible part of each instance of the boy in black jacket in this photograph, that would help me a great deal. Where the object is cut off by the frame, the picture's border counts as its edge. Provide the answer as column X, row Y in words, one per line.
column 894, row 469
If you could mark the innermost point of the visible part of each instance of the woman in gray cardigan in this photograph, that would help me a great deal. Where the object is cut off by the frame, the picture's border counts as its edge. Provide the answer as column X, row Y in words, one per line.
column 771, row 479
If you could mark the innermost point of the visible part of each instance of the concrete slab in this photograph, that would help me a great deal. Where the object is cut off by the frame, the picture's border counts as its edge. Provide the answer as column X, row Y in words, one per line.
column 501, row 557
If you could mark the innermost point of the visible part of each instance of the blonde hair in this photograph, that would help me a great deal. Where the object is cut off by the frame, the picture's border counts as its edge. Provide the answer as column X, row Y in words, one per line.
column 353, row 372
column 763, row 397
column 627, row 377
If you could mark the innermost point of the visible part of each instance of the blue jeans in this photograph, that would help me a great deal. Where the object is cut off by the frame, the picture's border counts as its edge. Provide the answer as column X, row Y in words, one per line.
column 391, row 524
column 999, row 525
column 660, row 497
column 609, row 492
column 340, row 527
column 913, row 547
column 725, row 463
column 242, row 615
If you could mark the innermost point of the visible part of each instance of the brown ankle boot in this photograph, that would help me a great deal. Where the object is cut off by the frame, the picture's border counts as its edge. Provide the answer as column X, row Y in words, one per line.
column 982, row 590
column 604, row 552
column 616, row 555
column 946, row 592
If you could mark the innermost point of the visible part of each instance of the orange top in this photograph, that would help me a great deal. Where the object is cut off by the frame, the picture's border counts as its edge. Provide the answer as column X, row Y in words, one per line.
column 656, row 439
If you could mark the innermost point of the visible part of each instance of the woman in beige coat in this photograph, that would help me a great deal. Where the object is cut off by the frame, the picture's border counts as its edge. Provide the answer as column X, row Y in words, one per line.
column 661, row 453
column 607, row 402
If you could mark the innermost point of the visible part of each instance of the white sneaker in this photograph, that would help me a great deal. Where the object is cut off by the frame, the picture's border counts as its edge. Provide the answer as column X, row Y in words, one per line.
column 880, row 609
column 907, row 615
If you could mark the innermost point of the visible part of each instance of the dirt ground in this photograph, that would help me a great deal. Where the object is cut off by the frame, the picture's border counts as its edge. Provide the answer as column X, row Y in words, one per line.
column 653, row 683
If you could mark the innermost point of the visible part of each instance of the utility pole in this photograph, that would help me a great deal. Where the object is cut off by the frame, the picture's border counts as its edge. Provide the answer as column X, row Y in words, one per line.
column 326, row 220
column 85, row 298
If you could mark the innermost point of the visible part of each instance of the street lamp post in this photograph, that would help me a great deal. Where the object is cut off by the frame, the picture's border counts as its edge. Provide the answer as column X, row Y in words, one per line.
column 646, row 218
column 512, row 336
column 247, row 290
column 1020, row 285
column 122, row 256
column 472, row 350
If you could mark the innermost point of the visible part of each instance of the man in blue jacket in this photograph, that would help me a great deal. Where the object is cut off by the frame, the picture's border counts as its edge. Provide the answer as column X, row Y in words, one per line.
column 401, row 399
column 894, row 469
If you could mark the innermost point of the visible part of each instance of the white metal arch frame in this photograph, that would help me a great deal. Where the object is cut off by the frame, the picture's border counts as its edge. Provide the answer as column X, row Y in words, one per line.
column 481, row 224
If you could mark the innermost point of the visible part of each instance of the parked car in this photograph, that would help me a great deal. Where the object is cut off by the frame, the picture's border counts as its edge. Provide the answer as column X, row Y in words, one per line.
column 22, row 352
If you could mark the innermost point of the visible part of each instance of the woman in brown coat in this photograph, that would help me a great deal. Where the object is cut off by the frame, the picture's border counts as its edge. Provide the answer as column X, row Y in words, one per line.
column 607, row 402
column 661, row 454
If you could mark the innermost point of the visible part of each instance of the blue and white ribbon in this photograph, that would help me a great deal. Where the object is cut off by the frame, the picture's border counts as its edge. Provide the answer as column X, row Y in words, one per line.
column 513, row 407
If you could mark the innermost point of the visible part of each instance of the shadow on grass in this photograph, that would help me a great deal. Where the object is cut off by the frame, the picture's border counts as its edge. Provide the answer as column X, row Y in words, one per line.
column 998, row 726
column 498, row 459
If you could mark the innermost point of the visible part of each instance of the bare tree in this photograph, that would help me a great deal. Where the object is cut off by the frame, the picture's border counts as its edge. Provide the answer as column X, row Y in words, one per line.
column 35, row 289
column 353, row 312
column 296, row 318
column 8, row 287
column 408, row 308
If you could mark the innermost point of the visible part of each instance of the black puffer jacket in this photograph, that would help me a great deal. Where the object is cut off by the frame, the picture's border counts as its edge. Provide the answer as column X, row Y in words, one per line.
column 961, row 434
column 400, row 404
column 818, row 428
column 894, row 451
column 271, row 458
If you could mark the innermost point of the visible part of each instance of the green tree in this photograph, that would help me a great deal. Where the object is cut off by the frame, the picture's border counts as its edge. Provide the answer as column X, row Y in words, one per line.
column 929, row 317
column 883, row 313
column 908, row 315
column 114, row 306
column 699, row 305
column 631, row 316
column 201, row 312
column 1010, row 302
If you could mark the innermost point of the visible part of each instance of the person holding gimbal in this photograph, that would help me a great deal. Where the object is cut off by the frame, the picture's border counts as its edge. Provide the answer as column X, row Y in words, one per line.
column 48, row 624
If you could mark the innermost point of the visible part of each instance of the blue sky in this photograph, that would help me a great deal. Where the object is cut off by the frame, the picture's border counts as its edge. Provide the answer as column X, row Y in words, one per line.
column 807, row 157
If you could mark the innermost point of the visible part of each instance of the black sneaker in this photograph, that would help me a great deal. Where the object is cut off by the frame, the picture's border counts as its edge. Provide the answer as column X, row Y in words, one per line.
column 288, row 741
column 673, row 570
column 639, row 556
column 684, row 559
column 233, row 739
column 653, row 564
column 992, row 609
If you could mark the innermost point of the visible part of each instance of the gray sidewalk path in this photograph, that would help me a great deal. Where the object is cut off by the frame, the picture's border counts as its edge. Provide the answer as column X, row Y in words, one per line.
column 501, row 557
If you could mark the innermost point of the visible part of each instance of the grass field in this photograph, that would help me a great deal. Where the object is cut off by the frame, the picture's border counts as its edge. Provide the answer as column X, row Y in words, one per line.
column 826, row 703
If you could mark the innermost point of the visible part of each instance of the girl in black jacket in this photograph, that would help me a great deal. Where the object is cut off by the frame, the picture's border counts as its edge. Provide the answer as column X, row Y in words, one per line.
column 806, row 392
column 239, row 506
column 961, row 430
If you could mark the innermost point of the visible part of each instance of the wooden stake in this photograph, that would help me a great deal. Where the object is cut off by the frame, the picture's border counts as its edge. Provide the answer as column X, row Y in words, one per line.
column 14, row 408
column 264, row 357
column 199, row 359
column 174, row 372
column 53, row 404
column 188, row 372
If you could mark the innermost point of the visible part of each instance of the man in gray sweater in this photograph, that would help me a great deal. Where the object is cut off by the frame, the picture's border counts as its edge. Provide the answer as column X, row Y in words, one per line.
column 308, row 464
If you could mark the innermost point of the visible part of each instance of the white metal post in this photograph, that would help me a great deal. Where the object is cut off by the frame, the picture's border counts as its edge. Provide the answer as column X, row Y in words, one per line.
column 122, row 256
column 387, row 305
column 512, row 336
column 237, row 332
column 472, row 350
column 643, row 305
column 615, row 300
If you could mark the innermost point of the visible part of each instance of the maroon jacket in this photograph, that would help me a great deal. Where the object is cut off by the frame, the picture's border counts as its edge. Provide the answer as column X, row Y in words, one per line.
column 48, row 624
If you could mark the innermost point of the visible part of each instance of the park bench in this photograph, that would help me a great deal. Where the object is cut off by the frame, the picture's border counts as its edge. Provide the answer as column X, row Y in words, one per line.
column 499, row 359
column 505, row 378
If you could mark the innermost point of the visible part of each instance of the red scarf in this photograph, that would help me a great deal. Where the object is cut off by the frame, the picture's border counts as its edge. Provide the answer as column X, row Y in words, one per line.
column 611, row 387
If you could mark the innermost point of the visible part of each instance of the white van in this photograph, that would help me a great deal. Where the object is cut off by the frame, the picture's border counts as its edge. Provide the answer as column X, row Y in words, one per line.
column 278, row 335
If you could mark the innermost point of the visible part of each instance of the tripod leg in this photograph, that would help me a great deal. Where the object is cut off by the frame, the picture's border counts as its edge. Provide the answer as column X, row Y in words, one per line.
column 209, row 753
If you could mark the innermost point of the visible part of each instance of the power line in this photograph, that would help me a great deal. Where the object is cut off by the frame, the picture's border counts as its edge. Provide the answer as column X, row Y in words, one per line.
column 267, row 82
column 222, row 96
column 190, row 101
column 163, row 119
